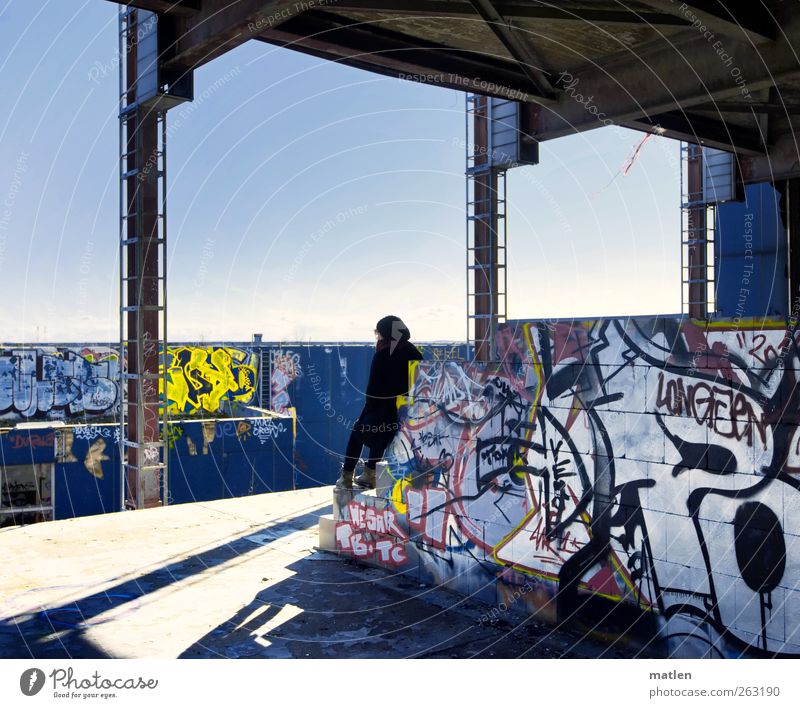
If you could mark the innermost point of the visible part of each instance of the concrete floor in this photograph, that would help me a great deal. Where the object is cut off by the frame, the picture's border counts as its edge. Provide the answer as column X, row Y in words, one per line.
column 236, row 578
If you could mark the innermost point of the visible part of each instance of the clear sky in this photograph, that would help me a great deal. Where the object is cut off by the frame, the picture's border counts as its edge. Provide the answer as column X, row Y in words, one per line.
column 306, row 199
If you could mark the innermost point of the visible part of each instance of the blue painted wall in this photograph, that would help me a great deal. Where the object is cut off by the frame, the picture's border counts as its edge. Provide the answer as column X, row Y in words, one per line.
column 226, row 457
column 87, row 473
column 750, row 252
column 325, row 384
column 213, row 459
column 230, row 458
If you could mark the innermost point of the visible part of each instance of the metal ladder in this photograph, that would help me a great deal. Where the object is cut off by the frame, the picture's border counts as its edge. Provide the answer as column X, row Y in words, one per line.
column 131, row 228
column 493, row 211
column 701, row 236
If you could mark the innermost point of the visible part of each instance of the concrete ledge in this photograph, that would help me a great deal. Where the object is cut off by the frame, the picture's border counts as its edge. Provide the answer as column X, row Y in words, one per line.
column 327, row 533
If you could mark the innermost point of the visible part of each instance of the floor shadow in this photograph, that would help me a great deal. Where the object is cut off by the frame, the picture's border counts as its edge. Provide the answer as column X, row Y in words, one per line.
column 59, row 632
column 333, row 608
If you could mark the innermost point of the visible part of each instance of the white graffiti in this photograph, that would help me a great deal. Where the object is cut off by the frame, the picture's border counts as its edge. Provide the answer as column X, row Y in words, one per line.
column 91, row 432
column 266, row 429
column 57, row 383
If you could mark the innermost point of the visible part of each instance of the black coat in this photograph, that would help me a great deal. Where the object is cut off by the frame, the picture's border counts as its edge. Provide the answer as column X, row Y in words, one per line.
column 388, row 379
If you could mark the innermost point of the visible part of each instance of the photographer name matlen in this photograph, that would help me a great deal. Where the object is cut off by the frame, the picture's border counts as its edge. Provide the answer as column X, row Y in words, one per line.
column 661, row 675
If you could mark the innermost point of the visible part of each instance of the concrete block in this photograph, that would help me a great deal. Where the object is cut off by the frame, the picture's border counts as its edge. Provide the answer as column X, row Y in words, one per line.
column 327, row 533
column 483, row 585
column 685, row 442
column 384, row 481
column 644, row 439
column 524, row 594
column 493, row 535
column 341, row 498
column 683, row 544
column 748, row 612
column 681, row 578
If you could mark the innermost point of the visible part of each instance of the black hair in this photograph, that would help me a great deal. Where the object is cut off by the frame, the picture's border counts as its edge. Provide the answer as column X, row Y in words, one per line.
column 391, row 326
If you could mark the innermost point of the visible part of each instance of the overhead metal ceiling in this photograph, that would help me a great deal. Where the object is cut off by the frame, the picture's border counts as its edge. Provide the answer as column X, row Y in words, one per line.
column 724, row 74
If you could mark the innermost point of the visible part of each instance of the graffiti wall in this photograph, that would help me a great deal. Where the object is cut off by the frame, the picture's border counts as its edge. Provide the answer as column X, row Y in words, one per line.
column 208, row 459
column 201, row 379
column 643, row 471
column 324, row 384
column 82, row 383
column 57, row 383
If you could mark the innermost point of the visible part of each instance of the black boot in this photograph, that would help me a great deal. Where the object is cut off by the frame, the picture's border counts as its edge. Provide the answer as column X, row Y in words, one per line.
column 366, row 480
column 345, row 480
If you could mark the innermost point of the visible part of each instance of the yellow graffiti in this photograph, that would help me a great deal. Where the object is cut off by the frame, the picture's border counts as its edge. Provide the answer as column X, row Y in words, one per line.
column 200, row 378
column 95, row 457
column 398, row 494
column 412, row 374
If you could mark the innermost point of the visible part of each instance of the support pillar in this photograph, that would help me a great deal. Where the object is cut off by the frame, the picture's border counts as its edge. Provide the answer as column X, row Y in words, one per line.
column 697, row 248
column 142, row 281
column 485, row 236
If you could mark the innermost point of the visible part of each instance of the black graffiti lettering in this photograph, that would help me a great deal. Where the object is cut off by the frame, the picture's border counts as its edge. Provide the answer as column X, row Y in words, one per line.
column 727, row 412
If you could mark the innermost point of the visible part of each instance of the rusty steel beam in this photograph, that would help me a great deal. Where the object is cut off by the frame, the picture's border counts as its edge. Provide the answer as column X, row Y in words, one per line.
column 516, row 10
column 141, row 429
column 710, row 132
column 518, row 47
column 485, row 240
column 781, row 162
column 665, row 77
column 697, row 252
column 336, row 38
column 773, row 108
column 167, row 7
column 222, row 25
column 747, row 20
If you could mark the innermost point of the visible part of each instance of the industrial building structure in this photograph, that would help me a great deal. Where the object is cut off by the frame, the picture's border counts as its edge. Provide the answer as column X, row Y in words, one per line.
column 638, row 475
column 244, row 418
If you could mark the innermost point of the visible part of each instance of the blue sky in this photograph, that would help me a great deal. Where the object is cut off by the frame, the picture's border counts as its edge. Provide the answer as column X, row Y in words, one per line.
column 306, row 199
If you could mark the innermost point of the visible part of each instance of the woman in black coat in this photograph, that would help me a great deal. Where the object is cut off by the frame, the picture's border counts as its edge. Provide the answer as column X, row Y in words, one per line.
column 388, row 379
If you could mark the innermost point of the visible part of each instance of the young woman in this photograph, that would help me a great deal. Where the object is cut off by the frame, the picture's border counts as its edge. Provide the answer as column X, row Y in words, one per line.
column 388, row 379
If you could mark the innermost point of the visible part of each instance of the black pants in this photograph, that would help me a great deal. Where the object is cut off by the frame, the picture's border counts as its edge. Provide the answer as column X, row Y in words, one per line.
column 353, row 452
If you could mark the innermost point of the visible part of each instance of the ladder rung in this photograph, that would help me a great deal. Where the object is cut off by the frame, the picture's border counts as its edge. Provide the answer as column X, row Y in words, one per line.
column 133, row 214
column 140, row 446
column 135, row 171
column 135, row 239
column 143, row 468
column 137, row 377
